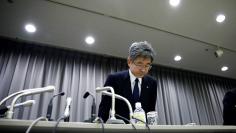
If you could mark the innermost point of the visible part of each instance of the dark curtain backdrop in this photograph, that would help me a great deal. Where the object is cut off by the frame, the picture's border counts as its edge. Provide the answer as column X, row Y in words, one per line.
column 182, row 96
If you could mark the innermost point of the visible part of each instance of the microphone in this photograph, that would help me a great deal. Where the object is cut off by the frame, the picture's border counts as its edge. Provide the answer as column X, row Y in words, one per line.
column 25, row 93
column 98, row 89
column 26, row 103
column 8, row 97
column 93, row 109
column 112, row 119
column 14, row 94
column 86, row 94
column 67, row 109
column 124, row 99
column 49, row 110
column 4, row 109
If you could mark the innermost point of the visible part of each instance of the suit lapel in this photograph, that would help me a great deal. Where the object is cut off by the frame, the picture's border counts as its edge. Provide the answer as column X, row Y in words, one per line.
column 127, row 93
column 144, row 88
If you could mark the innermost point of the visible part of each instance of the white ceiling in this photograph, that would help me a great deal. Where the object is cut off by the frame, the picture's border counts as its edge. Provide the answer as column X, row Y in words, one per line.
column 189, row 29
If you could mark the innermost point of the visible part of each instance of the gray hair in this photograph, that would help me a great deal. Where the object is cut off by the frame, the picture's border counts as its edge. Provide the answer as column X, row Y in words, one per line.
column 141, row 49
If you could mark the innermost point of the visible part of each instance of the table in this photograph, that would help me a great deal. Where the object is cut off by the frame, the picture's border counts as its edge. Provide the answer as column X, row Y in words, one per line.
column 20, row 126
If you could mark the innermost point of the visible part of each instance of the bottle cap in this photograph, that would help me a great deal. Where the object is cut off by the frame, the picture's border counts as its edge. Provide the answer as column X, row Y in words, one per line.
column 138, row 105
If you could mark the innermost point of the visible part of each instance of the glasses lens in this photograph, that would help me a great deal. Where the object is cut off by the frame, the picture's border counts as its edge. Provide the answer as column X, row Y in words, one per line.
column 142, row 66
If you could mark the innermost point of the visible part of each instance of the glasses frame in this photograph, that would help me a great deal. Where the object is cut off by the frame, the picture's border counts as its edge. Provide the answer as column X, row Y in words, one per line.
column 147, row 67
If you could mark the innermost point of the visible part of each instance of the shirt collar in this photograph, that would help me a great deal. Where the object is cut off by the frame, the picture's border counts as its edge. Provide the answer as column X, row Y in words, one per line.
column 132, row 77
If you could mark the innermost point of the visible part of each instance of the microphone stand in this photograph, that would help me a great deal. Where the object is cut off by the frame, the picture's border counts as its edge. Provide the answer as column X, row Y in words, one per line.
column 50, row 105
column 93, row 111
column 112, row 119
column 124, row 99
column 93, row 108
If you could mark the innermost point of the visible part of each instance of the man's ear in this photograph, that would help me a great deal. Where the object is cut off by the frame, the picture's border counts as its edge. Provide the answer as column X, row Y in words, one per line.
column 129, row 61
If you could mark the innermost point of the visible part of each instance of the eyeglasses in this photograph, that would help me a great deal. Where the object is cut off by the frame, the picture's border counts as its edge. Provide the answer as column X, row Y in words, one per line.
column 147, row 67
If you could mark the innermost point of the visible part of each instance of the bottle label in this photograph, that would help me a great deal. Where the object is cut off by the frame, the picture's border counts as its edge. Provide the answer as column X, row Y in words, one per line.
column 139, row 116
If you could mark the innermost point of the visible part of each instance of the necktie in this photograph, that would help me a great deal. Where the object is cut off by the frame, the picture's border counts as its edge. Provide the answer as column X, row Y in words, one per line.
column 136, row 91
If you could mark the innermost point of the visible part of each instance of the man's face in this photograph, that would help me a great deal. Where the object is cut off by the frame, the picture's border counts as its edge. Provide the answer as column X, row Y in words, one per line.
column 140, row 66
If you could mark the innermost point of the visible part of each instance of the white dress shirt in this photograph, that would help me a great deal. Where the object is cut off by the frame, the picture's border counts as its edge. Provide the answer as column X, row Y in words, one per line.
column 132, row 81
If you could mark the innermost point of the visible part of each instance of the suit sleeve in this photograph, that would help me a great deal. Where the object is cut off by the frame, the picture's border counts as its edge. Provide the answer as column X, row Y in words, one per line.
column 228, row 107
column 105, row 104
column 154, row 96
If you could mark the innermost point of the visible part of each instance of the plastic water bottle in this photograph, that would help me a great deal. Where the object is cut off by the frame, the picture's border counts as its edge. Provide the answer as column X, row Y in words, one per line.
column 139, row 113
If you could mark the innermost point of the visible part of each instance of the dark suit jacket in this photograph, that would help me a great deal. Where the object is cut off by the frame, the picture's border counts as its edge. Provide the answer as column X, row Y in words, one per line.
column 229, row 108
column 121, row 84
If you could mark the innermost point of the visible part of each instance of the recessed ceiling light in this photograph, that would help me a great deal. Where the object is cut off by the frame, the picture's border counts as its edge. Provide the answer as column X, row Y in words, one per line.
column 177, row 58
column 89, row 40
column 224, row 68
column 220, row 18
column 30, row 28
column 174, row 2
